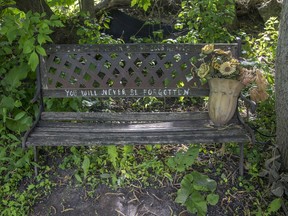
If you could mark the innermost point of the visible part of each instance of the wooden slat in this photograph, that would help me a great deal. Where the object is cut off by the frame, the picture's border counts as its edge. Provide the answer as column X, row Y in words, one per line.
column 129, row 116
column 117, row 126
column 169, row 132
column 129, row 128
column 69, row 139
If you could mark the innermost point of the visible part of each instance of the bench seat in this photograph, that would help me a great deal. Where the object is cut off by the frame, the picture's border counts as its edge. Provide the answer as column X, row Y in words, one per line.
column 101, row 128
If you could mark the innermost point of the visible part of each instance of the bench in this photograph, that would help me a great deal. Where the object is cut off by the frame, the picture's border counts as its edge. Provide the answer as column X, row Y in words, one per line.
column 126, row 71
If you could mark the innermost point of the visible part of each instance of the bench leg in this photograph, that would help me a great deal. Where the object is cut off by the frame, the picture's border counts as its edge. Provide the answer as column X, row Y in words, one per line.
column 241, row 163
column 35, row 160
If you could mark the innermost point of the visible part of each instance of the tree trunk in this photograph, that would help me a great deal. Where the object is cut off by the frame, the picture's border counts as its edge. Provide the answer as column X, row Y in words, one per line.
column 87, row 6
column 282, row 87
column 39, row 6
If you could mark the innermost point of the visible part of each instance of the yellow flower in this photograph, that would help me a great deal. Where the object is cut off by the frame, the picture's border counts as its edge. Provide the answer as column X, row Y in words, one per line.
column 234, row 61
column 226, row 68
column 222, row 52
column 203, row 70
column 207, row 49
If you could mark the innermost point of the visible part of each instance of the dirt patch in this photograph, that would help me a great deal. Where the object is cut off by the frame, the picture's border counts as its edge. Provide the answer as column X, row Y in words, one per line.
column 73, row 201
column 71, row 198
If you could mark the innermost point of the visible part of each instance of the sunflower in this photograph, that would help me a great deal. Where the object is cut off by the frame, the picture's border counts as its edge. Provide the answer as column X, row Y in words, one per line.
column 227, row 68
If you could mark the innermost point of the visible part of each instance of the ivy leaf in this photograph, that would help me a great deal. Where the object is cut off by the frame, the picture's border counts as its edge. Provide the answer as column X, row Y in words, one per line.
column 33, row 61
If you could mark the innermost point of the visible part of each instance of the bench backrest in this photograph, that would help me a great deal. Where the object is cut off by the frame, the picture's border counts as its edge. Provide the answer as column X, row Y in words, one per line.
column 123, row 70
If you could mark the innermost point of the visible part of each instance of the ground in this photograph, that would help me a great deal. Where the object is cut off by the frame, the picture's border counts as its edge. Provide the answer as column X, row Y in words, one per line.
column 68, row 197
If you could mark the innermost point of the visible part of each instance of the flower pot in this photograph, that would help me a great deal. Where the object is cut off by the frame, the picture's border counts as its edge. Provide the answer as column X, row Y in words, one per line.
column 223, row 99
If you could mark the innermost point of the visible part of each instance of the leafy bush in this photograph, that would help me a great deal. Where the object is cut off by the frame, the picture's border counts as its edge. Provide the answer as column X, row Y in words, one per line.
column 197, row 190
column 22, row 37
column 205, row 20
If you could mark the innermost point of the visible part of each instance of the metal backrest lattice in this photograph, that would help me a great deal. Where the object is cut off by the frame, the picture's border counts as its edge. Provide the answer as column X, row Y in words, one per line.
column 121, row 66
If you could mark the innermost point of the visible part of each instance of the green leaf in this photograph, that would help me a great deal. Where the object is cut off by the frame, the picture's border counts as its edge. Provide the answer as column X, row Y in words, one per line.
column 28, row 46
column 113, row 155
column 149, row 148
column 40, row 50
column 11, row 35
column 196, row 203
column 183, row 160
column 19, row 125
column 182, row 195
column 133, row 2
column 33, row 61
column 85, row 166
column 42, row 38
column 78, row 178
column 212, row 199
column 15, row 75
column 203, row 182
column 19, row 115
column 186, row 189
column 7, row 102
column 275, row 205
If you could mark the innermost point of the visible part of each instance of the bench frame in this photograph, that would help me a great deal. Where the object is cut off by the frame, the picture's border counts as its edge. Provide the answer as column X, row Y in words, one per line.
column 124, row 71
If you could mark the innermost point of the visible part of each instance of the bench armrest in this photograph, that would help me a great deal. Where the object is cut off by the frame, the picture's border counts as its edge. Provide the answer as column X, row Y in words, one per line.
column 248, row 103
column 252, row 106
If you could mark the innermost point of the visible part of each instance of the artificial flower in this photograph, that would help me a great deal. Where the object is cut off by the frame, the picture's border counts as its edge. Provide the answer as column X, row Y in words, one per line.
column 207, row 49
column 227, row 68
column 203, row 70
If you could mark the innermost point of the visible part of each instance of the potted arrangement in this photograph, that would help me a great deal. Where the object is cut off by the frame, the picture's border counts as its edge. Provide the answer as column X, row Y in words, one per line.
column 226, row 77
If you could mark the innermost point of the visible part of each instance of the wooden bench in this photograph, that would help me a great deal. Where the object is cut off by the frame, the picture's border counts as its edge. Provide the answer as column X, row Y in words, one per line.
column 125, row 71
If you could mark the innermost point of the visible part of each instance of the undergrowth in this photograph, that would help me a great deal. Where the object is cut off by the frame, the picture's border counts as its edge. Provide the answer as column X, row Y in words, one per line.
column 199, row 182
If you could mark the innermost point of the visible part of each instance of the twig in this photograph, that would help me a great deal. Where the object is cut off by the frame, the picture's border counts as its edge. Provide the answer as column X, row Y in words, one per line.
column 157, row 197
column 119, row 212
column 54, row 209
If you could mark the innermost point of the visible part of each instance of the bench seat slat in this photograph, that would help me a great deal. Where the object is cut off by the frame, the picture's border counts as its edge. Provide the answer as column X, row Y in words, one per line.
column 129, row 116
column 68, row 134
column 155, row 138
column 123, row 128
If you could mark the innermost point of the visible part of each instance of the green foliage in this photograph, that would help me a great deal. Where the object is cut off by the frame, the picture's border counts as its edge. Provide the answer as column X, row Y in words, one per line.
column 197, row 190
column 205, row 20
column 183, row 159
column 22, row 37
column 272, row 208
column 117, row 166
column 145, row 4
column 90, row 31
column 192, row 193
column 263, row 48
